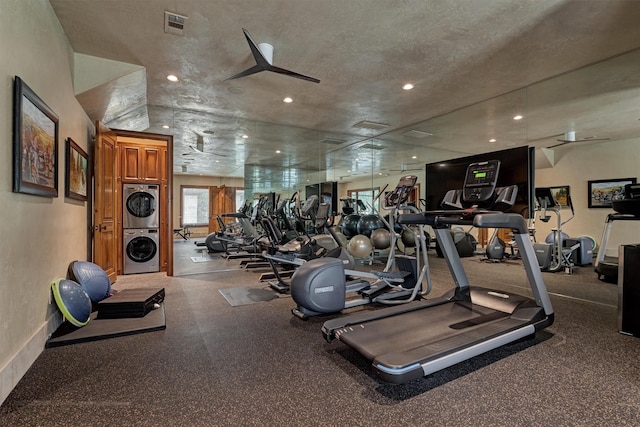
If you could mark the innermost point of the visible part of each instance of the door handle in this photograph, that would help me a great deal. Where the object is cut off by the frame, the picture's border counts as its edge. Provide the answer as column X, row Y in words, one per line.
column 100, row 227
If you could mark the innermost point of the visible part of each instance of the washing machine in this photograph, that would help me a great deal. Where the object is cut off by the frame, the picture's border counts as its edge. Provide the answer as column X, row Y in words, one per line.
column 141, row 251
column 141, row 206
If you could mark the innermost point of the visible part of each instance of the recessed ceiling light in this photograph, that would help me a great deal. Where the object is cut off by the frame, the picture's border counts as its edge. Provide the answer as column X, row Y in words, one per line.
column 245, row 136
column 492, row 140
column 278, row 151
column 407, row 86
column 288, row 100
column 165, row 126
column 414, row 157
column 518, row 117
column 172, row 78
column 217, row 161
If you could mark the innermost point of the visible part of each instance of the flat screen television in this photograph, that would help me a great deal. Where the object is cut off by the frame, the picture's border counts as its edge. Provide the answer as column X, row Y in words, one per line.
column 517, row 166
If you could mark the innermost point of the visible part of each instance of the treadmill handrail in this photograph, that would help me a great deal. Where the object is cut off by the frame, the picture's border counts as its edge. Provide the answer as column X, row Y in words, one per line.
column 480, row 218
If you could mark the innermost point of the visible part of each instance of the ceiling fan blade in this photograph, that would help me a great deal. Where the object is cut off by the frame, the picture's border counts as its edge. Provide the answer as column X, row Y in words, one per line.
column 561, row 144
column 255, row 50
column 253, row 70
column 291, row 74
column 568, row 141
column 262, row 64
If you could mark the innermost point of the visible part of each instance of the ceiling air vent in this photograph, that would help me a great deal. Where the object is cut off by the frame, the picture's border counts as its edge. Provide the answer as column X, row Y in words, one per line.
column 365, row 124
column 332, row 141
column 174, row 23
column 417, row 134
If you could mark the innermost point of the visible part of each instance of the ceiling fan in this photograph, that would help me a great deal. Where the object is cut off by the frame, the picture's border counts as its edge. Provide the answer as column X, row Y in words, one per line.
column 263, row 55
column 199, row 147
column 570, row 138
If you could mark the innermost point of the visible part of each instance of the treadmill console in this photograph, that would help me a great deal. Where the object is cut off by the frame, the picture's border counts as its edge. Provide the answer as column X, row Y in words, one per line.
column 401, row 193
column 480, row 182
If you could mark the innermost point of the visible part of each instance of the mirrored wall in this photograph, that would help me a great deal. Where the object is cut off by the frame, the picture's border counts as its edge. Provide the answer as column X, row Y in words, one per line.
column 584, row 125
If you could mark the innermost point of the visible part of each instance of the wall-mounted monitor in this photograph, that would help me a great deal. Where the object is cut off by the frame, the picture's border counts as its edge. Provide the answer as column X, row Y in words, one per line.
column 517, row 166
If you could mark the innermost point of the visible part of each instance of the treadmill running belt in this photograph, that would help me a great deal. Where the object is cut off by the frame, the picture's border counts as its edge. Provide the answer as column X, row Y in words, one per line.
column 416, row 329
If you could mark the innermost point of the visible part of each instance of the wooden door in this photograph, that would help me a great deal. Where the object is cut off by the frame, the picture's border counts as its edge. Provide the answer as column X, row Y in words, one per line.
column 105, row 207
column 221, row 200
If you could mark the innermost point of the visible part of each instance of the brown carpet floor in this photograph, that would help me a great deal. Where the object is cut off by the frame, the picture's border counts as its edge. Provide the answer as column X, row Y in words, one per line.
column 257, row 365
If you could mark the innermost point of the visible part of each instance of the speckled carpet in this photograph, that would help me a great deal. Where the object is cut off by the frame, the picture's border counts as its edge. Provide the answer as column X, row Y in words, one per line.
column 257, row 365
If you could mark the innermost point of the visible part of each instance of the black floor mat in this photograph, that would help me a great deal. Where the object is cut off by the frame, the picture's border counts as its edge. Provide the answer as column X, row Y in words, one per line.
column 98, row 329
column 243, row 296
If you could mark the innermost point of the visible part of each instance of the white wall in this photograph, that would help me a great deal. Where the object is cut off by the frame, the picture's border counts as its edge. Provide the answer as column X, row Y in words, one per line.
column 40, row 236
column 575, row 167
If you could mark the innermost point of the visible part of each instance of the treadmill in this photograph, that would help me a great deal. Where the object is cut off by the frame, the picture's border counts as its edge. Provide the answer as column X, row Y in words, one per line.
column 416, row 339
column 626, row 209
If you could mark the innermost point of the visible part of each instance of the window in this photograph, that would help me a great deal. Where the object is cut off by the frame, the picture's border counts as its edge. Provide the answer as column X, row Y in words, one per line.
column 366, row 196
column 239, row 198
column 195, row 206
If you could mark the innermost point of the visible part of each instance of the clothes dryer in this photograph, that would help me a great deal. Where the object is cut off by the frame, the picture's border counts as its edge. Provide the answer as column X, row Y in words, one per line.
column 141, row 251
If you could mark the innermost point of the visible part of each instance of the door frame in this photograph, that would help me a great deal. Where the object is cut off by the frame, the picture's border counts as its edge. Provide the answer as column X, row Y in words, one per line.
column 166, row 215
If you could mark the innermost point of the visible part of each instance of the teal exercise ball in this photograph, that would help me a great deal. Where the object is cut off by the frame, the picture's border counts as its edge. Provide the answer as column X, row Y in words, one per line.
column 368, row 223
column 350, row 225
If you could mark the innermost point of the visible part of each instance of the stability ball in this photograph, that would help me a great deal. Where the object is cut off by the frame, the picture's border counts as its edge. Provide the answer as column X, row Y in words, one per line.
column 92, row 278
column 350, row 225
column 359, row 246
column 549, row 239
column 408, row 239
column 381, row 238
column 72, row 300
column 368, row 223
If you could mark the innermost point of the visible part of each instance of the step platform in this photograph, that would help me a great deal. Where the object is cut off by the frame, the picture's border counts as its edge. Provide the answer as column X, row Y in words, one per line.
column 130, row 303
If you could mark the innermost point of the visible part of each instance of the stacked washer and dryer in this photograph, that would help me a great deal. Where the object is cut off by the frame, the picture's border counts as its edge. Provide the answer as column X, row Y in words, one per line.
column 141, row 220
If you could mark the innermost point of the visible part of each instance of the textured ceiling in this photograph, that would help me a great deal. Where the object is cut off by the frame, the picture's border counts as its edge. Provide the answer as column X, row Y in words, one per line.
column 474, row 64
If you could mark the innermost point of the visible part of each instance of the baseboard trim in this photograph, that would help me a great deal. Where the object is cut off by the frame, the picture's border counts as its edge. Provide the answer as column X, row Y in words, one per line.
column 19, row 364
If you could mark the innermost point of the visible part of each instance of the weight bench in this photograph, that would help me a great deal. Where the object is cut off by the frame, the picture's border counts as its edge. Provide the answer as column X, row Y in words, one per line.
column 182, row 232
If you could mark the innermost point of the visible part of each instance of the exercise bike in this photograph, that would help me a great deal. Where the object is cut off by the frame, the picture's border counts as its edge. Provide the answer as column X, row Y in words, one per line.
column 320, row 286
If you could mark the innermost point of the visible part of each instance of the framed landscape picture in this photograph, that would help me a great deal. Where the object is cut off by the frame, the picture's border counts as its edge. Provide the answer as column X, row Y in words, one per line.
column 561, row 195
column 35, row 144
column 76, row 170
column 603, row 191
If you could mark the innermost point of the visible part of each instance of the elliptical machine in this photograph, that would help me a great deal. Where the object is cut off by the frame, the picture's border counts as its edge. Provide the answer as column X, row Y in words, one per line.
column 553, row 256
column 320, row 286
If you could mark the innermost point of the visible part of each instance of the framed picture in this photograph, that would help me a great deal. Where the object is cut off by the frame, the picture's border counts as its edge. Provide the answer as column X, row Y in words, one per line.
column 35, row 144
column 76, row 170
column 561, row 195
column 603, row 191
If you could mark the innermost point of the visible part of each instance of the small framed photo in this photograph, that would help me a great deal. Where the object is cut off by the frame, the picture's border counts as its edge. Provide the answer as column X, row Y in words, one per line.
column 603, row 191
column 561, row 195
column 35, row 144
column 76, row 170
